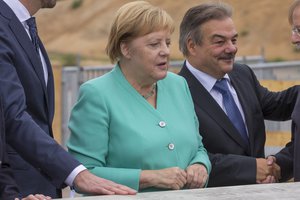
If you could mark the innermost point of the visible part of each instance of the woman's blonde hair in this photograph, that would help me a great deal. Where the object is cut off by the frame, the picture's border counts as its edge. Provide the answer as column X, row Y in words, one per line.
column 132, row 20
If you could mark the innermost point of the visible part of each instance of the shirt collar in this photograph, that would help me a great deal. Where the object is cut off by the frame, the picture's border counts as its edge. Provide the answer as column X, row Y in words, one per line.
column 19, row 9
column 206, row 80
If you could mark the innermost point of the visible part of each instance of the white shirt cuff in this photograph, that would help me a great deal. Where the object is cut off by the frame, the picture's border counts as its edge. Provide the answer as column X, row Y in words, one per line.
column 70, row 179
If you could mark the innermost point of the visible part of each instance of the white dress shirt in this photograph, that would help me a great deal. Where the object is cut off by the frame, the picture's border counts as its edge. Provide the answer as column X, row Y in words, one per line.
column 22, row 14
column 208, row 83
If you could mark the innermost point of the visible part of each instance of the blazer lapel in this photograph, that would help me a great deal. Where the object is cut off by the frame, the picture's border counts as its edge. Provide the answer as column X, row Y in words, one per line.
column 23, row 39
column 207, row 103
column 238, row 85
column 50, row 84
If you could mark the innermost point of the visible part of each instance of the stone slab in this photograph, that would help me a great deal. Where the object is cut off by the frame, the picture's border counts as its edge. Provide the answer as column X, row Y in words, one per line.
column 276, row 191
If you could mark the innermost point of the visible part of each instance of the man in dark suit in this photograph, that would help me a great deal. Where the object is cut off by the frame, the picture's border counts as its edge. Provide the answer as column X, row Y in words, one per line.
column 292, row 149
column 231, row 118
column 26, row 85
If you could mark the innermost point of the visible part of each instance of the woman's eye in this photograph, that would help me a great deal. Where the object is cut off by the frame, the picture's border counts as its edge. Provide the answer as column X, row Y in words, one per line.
column 154, row 44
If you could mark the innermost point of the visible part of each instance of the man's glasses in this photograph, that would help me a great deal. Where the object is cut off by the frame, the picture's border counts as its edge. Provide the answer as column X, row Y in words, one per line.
column 296, row 30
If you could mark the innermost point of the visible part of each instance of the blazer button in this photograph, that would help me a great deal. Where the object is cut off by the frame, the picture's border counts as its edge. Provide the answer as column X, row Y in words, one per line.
column 162, row 124
column 171, row 146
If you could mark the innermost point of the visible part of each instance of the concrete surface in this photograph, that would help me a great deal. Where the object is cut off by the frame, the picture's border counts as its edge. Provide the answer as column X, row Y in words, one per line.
column 276, row 191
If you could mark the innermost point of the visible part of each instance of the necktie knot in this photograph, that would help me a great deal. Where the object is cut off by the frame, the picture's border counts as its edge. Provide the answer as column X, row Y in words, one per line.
column 221, row 86
column 33, row 33
column 31, row 23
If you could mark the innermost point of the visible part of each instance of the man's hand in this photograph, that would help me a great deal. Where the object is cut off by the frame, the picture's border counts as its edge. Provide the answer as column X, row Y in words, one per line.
column 276, row 170
column 263, row 170
column 86, row 182
column 267, row 170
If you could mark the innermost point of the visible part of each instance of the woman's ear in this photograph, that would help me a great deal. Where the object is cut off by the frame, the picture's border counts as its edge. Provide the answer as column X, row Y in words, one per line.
column 125, row 50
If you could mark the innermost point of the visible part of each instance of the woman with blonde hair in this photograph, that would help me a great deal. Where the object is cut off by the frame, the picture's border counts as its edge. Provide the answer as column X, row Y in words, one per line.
column 136, row 125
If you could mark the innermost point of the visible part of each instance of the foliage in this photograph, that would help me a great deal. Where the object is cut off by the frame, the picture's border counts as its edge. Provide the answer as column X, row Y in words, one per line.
column 76, row 4
column 277, row 59
column 244, row 33
column 70, row 60
column 296, row 49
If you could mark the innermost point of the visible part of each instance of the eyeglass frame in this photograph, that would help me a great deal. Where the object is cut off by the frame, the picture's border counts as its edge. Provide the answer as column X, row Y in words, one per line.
column 296, row 30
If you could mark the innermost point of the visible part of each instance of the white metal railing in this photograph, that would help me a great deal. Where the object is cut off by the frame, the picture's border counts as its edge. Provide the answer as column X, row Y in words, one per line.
column 74, row 76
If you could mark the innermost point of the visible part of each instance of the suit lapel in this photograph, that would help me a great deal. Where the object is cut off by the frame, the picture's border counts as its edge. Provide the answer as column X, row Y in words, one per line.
column 50, row 88
column 207, row 103
column 242, row 94
column 23, row 39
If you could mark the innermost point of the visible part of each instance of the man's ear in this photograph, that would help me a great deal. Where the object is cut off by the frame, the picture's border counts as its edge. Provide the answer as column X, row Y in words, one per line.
column 191, row 47
column 125, row 50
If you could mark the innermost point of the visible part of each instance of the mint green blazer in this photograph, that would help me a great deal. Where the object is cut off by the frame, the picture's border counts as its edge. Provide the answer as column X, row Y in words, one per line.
column 116, row 133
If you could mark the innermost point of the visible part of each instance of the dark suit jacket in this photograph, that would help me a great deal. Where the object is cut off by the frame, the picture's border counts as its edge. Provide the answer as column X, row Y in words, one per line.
column 8, row 187
column 29, row 106
column 292, row 149
column 233, row 163
column 296, row 140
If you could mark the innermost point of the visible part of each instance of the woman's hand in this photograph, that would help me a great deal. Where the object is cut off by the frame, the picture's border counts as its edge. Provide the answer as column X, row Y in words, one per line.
column 170, row 178
column 196, row 176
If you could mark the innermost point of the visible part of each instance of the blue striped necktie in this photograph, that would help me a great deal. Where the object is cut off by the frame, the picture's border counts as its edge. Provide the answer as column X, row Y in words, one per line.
column 33, row 33
column 231, row 108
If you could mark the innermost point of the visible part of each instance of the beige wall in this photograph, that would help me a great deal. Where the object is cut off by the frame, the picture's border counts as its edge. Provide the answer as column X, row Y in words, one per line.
column 278, row 138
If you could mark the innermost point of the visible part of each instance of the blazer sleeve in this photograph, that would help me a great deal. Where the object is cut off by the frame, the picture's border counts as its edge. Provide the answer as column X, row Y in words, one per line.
column 89, row 139
column 277, row 106
column 8, row 187
column 230, row 169
column 287, row 158
column 201, row 155
column 281, row 106
column 22, row 133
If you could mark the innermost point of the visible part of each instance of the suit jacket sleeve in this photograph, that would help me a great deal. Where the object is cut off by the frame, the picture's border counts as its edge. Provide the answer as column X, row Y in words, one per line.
column 202, row 155
column 85, row 124
column 22, row 133
column 8, row 187
column 281, row 106
column 232, row 169
column 287, row 158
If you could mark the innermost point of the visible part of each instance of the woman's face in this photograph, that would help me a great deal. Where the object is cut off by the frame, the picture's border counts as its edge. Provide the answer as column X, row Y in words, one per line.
column 148, row 55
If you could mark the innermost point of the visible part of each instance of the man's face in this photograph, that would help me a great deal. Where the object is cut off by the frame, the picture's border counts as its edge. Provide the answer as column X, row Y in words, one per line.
column 216, row 52
column 296, row 28
column 48, row 3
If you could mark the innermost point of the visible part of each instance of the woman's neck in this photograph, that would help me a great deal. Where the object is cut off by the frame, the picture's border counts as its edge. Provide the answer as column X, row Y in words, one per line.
column 145, row 86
